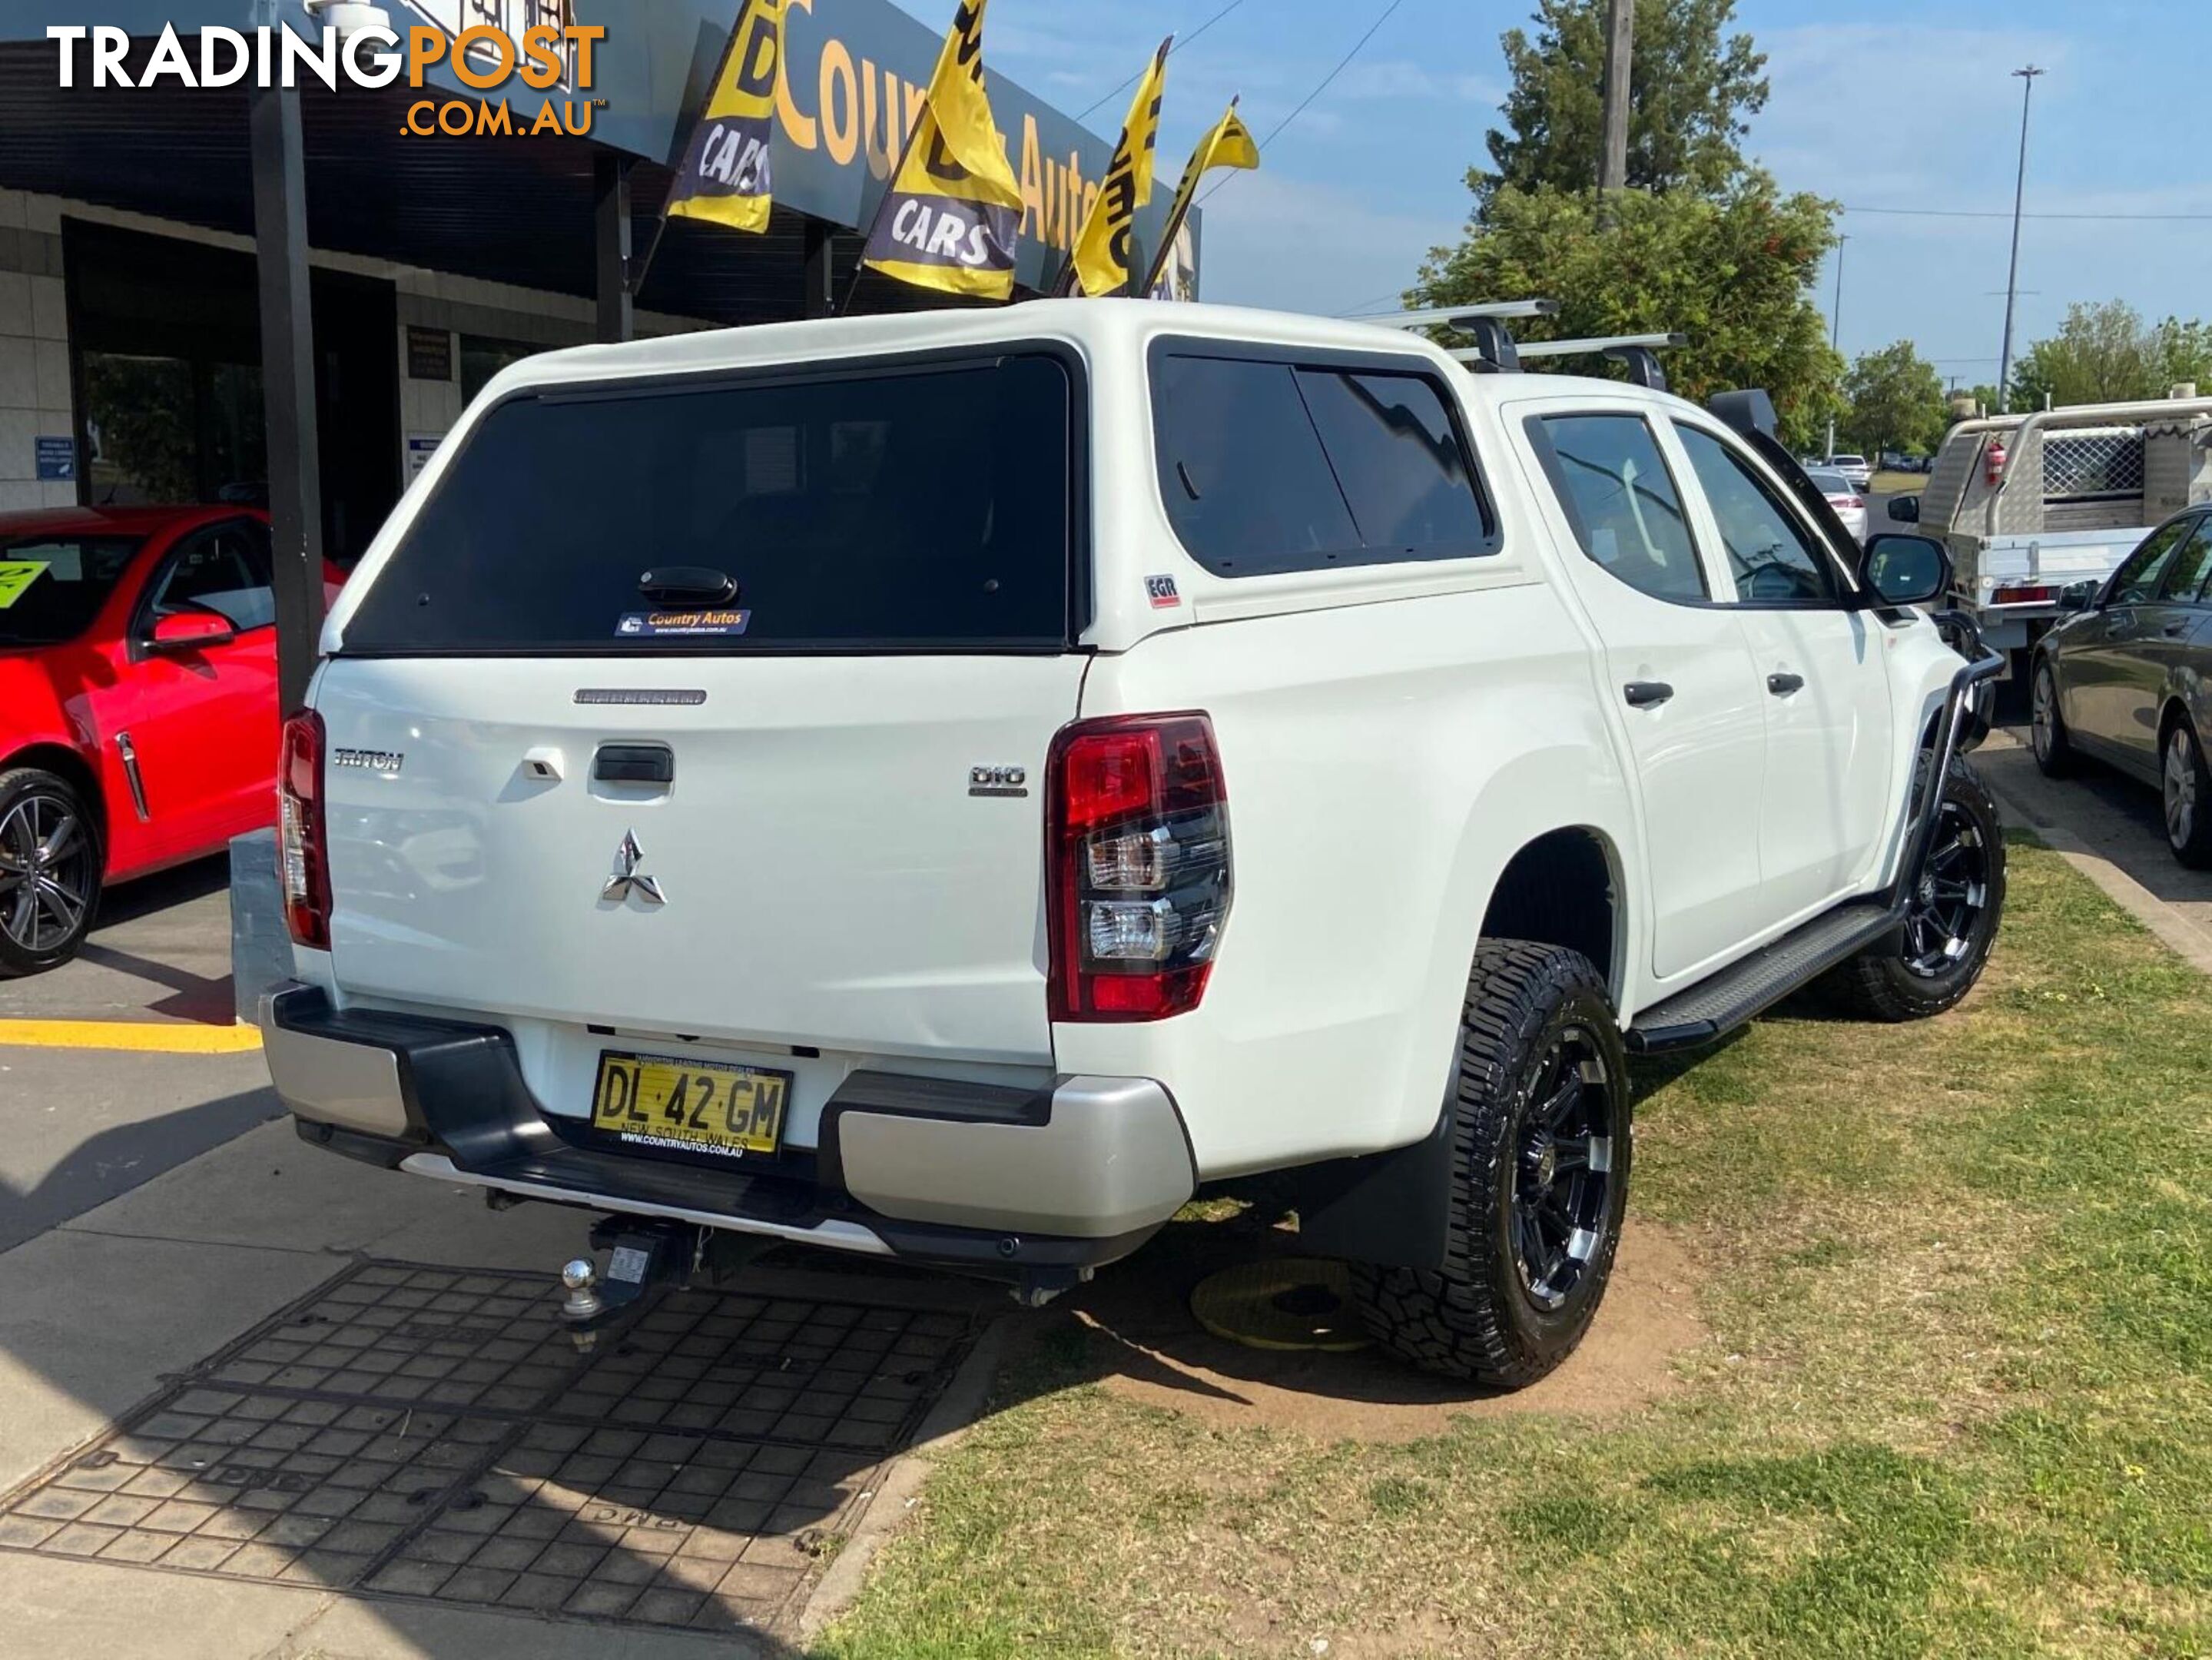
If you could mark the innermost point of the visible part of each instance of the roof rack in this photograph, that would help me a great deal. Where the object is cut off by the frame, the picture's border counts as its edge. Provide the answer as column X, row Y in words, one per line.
column 1636, row 350
column 1494, row 349
column 1455, row 316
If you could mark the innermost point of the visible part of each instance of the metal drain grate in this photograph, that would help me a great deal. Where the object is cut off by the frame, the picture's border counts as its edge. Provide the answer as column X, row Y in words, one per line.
column 430, row 1432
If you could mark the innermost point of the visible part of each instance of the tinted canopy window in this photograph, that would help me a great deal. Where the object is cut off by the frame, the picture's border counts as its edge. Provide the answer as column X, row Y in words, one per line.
column 923, row 506
column 1269, row 466
column 59, row 584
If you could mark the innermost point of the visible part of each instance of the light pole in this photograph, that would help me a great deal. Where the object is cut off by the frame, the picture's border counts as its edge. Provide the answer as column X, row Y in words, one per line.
column 1836, row 334
column 2012, row 276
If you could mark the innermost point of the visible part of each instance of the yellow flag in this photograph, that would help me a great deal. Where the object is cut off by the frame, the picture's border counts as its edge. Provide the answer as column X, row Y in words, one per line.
column 726, row 178
column 951, row 217
column 1229, row 144
column 1101, row 249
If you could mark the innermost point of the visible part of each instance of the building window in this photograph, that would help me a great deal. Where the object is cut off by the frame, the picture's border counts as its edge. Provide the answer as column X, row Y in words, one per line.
column 481, row 359
column 165, row 430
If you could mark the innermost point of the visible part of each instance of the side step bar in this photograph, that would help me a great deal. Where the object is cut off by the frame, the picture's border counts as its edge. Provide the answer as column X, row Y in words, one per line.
column 1717, row 1007
column 1744, row 989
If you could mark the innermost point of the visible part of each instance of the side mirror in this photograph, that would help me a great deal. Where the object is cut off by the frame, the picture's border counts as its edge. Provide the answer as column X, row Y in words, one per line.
column 1905, row 509
column 2078, row 596
column 190, row 630
column 1905, row 570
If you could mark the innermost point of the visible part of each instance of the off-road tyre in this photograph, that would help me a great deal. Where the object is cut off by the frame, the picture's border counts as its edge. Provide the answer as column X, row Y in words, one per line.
column 1922, row 974
column 1529, row 1008
column 2185, row 794
column 31, row 796
column 2054, row 751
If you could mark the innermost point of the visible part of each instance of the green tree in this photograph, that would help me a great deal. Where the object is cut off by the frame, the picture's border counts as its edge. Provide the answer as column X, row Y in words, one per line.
column 2105, row 354
column 1731, row 272
column 2184, row 352
column 1893, row 399
column 1690, row 91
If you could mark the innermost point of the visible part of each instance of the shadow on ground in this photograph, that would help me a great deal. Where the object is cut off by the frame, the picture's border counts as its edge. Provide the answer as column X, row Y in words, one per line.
column 1132, row 1329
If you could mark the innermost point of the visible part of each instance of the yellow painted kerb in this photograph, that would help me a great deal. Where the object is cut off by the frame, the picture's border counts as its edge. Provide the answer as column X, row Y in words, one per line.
column 140, row 1036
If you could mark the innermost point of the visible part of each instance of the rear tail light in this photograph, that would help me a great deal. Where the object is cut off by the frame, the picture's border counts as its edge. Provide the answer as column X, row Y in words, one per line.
column 1854, row 502
column 303, row 863
column 2041, row 595
column 1136, row 867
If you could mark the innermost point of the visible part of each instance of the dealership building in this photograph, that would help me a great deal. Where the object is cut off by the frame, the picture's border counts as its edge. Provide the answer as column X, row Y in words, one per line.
column 184, row 267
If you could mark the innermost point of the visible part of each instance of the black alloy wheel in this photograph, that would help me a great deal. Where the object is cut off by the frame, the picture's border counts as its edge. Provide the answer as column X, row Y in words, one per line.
column 1946, row 909
column 1951, row 916
column 1539, row 1117
column 1563, row 1175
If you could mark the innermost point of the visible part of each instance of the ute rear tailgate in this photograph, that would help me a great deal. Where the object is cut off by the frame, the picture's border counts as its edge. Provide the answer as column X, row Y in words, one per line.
column 829, row 879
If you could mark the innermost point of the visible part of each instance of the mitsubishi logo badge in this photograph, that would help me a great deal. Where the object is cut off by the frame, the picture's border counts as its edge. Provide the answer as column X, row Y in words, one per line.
column 626, row 881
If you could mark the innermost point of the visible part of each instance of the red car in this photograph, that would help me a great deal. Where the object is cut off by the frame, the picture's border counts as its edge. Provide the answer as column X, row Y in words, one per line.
column 138, row 718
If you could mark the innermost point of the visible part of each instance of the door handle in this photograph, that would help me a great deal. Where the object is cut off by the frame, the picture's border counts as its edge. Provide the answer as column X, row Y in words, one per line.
column 1782, row 685
column 2180, row 626
column 1646, row 693
column 634, row 763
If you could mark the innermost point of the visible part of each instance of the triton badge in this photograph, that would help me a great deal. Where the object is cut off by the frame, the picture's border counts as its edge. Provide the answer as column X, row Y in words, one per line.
column 626, row 881
column 387, row 762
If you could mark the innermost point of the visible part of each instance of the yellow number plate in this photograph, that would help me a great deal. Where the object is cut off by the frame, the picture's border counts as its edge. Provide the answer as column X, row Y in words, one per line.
column 690, row 1106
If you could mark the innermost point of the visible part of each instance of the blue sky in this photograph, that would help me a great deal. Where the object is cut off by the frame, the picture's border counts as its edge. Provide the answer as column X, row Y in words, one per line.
column 1868, row 107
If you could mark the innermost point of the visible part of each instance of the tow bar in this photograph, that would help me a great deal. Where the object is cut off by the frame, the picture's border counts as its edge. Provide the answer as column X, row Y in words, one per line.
column 641, row 1257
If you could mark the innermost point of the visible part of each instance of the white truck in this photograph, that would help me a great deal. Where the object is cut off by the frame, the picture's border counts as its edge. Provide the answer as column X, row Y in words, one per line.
column 949, row 787
column 2032, row 505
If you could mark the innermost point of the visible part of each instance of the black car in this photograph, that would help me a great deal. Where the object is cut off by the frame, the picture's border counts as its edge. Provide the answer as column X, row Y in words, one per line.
column 2127, row 677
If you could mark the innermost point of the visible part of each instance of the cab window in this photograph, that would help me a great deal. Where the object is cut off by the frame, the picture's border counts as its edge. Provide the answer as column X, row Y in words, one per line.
column 226, row 570
column 2137, row 580
column 1621, row 498
column 2184, row 582
column 1774, row 558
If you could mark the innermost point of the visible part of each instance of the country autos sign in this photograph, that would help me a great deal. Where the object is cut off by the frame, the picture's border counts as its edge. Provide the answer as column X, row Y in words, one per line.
column 636, row 76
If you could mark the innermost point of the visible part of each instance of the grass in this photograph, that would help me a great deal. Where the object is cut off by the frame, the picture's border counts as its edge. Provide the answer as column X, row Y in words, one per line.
column 1957, row 1399
column 1887, row 482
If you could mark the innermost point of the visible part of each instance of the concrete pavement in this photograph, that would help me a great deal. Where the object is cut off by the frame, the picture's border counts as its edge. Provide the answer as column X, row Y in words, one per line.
column 2109, row 828
column 161, row 952
column 96, row 1312
column 85, row 1122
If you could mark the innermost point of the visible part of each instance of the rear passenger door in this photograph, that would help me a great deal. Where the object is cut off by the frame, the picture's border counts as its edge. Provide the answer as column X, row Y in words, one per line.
column 2104, row 696
column 2160, row 632
column 1678, row 672
column 1825, row 813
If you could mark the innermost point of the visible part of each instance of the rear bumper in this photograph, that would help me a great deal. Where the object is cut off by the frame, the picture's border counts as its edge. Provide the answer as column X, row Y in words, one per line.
column 924, row 1169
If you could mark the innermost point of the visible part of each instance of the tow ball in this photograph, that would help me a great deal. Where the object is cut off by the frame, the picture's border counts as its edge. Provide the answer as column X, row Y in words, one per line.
column 641, row 1257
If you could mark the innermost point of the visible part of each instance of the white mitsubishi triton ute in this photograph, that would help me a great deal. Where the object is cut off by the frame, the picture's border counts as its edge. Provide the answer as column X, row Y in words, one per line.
column 949, row 787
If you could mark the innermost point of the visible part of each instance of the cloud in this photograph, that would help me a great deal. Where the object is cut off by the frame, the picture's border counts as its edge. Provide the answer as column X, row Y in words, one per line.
column 1295, row 244
column 1398, row 80
column 1861, row 112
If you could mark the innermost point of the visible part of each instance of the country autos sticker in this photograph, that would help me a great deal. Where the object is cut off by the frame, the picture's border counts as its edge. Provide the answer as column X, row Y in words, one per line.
column 677, row 625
